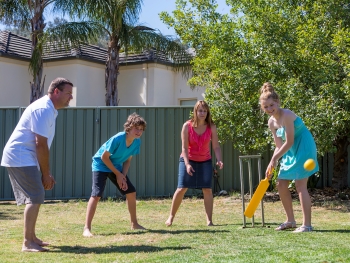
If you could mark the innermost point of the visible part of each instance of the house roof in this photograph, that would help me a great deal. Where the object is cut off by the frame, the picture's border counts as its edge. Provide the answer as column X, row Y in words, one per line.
column 17, row 47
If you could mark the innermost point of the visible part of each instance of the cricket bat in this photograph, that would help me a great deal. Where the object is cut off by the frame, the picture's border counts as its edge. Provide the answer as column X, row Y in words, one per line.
column 256, row 198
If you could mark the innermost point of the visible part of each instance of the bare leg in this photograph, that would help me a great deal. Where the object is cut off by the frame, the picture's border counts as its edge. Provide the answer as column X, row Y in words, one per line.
column 177, row 199
column 286, row 199
column 305, row 200
column 90, row 212
column 208, row 205
column 39, row 241
column 131, row 202
column 30, row 216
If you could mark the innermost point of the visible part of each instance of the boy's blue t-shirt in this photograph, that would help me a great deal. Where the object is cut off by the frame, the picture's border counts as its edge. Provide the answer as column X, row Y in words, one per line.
column 116, row 146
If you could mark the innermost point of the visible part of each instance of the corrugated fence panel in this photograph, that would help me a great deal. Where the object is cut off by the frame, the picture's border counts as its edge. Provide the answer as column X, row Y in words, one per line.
column 8, row 120
column 80, row 131
column 144, row 178
column 71, row 152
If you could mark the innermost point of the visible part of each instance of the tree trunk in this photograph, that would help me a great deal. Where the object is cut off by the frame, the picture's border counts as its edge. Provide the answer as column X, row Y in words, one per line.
column 112, row 72
column 340, row 170
column 37, row 89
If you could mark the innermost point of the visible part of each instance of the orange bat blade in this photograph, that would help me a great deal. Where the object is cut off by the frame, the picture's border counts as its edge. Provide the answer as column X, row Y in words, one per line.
column 258, row 195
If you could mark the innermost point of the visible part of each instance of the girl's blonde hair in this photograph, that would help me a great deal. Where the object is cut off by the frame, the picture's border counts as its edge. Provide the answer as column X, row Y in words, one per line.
column 267, row 92
column 205, row 106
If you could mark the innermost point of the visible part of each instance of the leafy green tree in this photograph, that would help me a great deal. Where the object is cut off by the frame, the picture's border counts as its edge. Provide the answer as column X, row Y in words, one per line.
column 119, row 19
column 301, row 46
column 29, row 15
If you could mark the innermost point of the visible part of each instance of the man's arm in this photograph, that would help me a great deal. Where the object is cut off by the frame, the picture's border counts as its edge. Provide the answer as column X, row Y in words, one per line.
column 43, row 156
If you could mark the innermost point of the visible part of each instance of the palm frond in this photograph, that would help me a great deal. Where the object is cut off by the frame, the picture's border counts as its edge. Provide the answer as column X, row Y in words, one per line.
column 81, row 8
column 72, row 33
column 132, row 10
column 110, row 13
column 67, row 36
column 15, row 12
column 36, row 59
column 140, row 38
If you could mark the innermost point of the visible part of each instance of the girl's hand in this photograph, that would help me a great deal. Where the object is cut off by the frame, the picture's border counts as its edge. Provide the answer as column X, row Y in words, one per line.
column 273, row 163
column 220, row 164
column 269, row 172
column 189, row 169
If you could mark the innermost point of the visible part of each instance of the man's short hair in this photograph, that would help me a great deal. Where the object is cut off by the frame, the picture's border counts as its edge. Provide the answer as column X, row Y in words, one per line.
column 59, row 84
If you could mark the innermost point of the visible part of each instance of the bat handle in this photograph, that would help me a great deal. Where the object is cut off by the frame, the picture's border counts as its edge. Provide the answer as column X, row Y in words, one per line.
column 270, row 173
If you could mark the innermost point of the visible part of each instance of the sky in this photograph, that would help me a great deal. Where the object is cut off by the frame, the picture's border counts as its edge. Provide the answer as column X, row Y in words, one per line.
column 151, row 9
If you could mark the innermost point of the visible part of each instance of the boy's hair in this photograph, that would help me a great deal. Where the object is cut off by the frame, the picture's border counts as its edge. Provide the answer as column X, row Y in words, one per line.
column 134, row 120
column 59, row 84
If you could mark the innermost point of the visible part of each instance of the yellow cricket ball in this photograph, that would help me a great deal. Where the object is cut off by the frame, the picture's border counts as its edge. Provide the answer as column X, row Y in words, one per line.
column 309, row 165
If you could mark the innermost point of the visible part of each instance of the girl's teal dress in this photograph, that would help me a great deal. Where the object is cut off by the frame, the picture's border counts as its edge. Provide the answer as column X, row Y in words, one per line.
column 304, row 148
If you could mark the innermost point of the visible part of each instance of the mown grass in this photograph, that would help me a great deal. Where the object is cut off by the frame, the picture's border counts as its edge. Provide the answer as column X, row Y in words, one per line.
column 188, row 240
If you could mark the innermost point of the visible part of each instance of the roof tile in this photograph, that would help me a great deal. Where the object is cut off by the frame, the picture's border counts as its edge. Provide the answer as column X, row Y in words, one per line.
column 16, row 46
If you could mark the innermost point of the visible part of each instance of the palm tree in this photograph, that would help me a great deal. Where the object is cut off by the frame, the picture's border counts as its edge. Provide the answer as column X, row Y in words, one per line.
column 29, row 14
column 119, row 19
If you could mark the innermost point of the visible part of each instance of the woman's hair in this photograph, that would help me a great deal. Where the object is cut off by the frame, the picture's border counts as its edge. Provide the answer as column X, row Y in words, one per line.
column 205, row 106
column 267, row 92
column 134, row 120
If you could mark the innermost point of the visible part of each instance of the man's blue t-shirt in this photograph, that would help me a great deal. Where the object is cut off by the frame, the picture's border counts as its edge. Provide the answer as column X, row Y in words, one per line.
column 116, row 146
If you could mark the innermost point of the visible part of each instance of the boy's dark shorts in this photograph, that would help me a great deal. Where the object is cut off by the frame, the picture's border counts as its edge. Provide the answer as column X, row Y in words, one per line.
column 99, row 180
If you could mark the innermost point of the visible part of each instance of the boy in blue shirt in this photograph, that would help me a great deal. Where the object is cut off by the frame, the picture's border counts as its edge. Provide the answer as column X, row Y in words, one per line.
column 112, row 161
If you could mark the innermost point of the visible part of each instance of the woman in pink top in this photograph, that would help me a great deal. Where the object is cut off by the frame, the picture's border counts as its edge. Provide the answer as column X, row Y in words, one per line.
column 195, row 165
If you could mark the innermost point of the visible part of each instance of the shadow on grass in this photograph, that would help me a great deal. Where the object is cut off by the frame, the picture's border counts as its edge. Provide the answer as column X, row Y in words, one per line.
column 11, row 215
column 345, row 231
column 112, row 249
column 175, row 232
column 161, row 231
column 342, row 206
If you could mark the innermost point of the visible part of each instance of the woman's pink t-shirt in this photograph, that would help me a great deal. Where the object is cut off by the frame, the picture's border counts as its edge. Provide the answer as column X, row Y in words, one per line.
column 198, row 145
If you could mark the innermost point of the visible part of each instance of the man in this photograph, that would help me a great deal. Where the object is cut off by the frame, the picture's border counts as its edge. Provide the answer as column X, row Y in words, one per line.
column 26, row 156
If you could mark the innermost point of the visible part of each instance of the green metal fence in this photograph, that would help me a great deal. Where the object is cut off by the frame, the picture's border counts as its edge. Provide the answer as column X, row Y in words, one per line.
column 80, row 131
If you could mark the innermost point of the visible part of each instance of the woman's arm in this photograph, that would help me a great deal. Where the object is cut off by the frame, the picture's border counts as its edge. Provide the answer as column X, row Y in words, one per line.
column 184, row 141
column 216, row 146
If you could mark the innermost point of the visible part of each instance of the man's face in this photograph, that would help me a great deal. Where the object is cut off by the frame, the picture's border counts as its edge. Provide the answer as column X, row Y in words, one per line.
column 64, row 96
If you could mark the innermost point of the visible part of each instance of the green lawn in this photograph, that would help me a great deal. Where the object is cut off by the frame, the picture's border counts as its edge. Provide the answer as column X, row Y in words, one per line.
column 188, row 240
